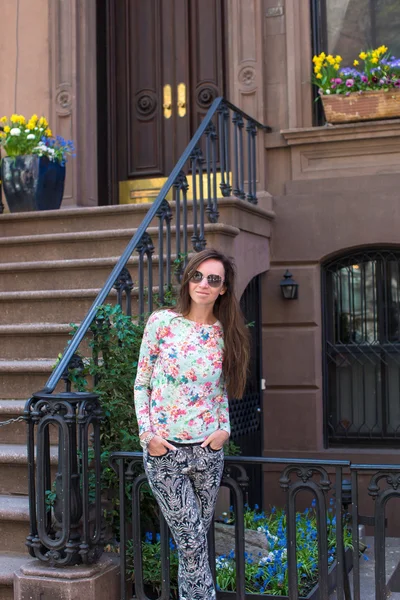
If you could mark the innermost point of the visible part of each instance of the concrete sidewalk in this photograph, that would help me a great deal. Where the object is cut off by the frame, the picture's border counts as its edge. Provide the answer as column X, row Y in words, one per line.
column 367, row 569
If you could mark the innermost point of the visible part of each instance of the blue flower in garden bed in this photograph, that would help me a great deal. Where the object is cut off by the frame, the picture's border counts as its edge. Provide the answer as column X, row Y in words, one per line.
column 265, row 572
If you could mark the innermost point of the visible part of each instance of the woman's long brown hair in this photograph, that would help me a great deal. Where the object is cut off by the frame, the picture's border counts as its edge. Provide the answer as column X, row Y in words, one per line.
column 228, row 312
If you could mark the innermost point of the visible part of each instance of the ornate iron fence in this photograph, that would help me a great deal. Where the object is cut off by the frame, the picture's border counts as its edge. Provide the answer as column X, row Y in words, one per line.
column 219, row 160
column 323, row 479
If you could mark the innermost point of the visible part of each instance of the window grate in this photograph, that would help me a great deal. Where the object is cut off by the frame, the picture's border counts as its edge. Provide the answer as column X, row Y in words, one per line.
column 362, row 348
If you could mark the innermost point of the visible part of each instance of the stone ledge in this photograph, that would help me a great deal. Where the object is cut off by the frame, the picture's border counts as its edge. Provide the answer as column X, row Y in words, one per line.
column 344, row 132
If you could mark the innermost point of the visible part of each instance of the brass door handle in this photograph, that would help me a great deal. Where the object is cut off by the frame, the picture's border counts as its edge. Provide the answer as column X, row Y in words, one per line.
column 181, row 99
column 167, row 101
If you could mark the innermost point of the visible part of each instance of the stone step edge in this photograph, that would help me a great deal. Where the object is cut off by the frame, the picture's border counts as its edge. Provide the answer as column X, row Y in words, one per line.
column 71, row 236
column 12, row 407
column 58, row 294
column 35, row 329
column 10, row 562
column 26, row 366
column 17, row 454
column 88, row 211
column 52, row 294
column 14, row 508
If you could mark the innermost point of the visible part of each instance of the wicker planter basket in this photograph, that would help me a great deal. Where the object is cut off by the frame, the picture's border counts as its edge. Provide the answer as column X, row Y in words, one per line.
column 368, row 106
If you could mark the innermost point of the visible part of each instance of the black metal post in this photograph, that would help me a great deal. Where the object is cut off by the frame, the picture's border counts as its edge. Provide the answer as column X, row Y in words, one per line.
column 59, row 535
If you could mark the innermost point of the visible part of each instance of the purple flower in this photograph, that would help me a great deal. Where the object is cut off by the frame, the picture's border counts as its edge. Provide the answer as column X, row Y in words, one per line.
column 350, row 82
column 347, row 94
column 364, row 78
column 338, row 80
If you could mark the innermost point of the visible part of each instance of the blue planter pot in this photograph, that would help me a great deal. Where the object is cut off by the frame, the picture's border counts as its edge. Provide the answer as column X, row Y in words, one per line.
column 32, row 183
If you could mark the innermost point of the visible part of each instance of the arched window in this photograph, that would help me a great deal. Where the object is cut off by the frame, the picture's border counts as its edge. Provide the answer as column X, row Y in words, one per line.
column 361, row 306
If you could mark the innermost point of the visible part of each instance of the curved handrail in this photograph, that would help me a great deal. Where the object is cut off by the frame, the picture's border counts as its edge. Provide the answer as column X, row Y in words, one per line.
column 218, row 104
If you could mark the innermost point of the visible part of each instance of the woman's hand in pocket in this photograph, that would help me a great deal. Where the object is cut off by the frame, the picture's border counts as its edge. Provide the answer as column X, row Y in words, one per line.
column 158, row 446
column 216, row 439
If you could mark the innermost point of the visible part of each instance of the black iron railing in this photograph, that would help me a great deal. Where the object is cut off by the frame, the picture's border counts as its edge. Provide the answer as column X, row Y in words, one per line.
column 220, row 160
column 323, row 479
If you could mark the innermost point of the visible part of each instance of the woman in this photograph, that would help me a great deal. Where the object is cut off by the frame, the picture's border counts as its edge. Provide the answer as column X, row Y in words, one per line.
column 191, row 359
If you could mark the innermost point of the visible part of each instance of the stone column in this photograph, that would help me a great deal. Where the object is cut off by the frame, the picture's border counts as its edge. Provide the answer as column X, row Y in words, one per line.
column 73, row 111
column 246, row 75
column 36, row 581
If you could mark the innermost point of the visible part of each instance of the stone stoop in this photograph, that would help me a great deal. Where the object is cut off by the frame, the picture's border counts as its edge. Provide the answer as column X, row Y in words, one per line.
column 52, row 266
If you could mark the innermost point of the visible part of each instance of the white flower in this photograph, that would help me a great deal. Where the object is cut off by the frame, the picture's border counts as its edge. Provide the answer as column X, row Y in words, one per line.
column 15, row 131
column 31, row 136
column 328, row 92
column 27, row 130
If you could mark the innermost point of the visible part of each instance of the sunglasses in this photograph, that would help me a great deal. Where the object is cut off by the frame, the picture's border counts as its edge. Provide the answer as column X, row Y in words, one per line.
column 213, row 281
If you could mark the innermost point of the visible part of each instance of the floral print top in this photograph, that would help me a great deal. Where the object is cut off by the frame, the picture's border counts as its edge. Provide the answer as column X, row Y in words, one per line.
column 179, row 389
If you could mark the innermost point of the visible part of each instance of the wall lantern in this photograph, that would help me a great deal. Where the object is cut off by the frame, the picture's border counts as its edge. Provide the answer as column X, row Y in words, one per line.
column 289, row 288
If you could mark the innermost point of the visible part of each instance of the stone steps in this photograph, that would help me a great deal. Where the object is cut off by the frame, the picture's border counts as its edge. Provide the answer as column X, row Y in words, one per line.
column 9, row 563
column 20, row 378
column 87, row 244
column 48, row 306
column 12, row 433
column 73, row 219
column 14, row 522
column 30, row 340
column 52, row 267
column 14, row 468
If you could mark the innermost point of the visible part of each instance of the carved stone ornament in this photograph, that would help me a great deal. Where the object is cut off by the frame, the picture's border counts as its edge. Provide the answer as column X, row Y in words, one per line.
column 247, row 75
column 64, row 99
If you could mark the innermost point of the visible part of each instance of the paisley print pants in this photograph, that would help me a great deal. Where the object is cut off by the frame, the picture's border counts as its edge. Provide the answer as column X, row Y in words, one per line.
column 185, row 484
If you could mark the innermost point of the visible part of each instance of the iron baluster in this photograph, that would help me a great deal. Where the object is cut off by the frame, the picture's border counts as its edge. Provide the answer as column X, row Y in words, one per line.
column 222, row 147
column 319, row 490
column 211, row 163
column 124, row 285
column 198, row 240
column 177, row 197
column 240, row 125
column 164, row 215
column 145, row 248
column 185, row 187
column 355, row 535
column 251, row 160
column 235, row 121
column 214, row 215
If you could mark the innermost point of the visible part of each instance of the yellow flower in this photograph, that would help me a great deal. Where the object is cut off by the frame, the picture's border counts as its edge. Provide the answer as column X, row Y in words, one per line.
column 330, row 59
column 375, row 60
column 48, row 132
column 7, row 129
column 383, row 49
column 319, row 76
column 322, row 55
column 338, row 58
column 34, row 119
column 356, row 63
column 43, row 122
column 336, row 67
column 3, row 120
column 317, row 69
column 2, row 134
column 315, row 59
column 14, row 119
column 363, row 55
column 21, row 119
column 30, row 125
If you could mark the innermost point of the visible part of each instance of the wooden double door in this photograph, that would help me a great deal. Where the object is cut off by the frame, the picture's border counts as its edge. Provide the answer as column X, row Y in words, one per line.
column 169, row 66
